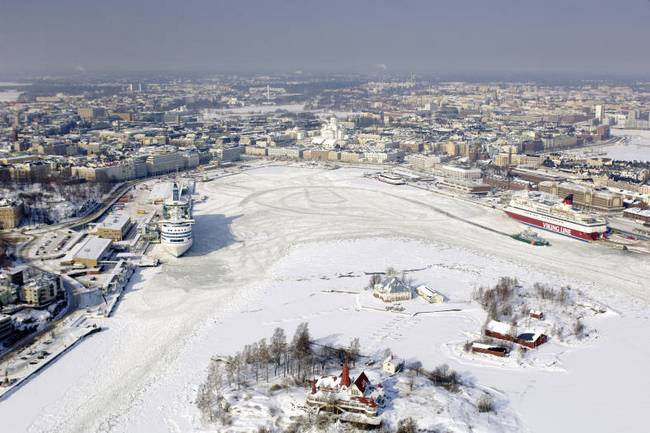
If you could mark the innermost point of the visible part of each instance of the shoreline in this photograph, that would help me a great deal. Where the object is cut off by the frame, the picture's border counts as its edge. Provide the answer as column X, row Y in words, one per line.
column 6, row 392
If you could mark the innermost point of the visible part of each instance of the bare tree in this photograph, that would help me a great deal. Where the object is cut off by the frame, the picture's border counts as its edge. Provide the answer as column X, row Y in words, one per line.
column 411, row 375
column 264, row 356
column 207, row 397
column 206, row 401
column 417, row 367
column 485, row 403
column 287, row 364
column 374, row 280
column 324, row 356
column 215, row 375
column 563, row 296
column 407, row 425
column 231, row 369
column 278, row 347
column 353, row 350
column 237, row 364
column 579, row 329
column 445, row 377
column 254, row 359
column 246, row 354
column 301, row 344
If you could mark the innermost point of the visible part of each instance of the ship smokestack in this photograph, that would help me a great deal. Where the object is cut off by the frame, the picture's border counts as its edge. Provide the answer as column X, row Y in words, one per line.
column 175, row 195
column 568, row 199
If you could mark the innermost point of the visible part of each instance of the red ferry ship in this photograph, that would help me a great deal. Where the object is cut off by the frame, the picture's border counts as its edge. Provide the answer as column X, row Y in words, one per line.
column 546, row 212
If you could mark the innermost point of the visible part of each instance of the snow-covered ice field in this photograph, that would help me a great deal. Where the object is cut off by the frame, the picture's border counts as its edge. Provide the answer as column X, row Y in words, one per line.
column 9, row 95
column 269, row 241
column 637, row 149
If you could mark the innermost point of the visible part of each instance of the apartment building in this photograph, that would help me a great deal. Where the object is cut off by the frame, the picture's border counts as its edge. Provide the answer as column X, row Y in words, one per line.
column 160, row 163
column 41, row 290
column 584, row 196
column 11, row 212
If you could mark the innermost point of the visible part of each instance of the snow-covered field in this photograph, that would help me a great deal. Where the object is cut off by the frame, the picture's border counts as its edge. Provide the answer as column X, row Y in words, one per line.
column 269, row 242
column 217, row 113
column 212, row 113
column 637, row 149
column 9, row 95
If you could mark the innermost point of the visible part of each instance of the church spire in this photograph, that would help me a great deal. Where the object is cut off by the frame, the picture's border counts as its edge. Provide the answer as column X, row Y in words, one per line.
column 345, row 374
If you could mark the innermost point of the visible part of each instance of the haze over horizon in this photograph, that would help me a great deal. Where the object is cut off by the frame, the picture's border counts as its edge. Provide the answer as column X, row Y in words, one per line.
column 580, row 37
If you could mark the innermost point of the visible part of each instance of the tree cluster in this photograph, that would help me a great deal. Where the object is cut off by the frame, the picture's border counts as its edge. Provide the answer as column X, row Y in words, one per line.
column 485, row 403
column 285, row 358
column 549, row 294
column 445, row 377
column 264, row 360
column 373, row 281
column 497, row 301
column 407, row 425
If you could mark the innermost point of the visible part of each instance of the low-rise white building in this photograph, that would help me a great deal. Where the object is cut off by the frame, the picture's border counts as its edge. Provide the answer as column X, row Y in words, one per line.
column 383, row 157
column 392, row 289
column 454, row 172
column 91, row 251
column 429, row 295
column 285, row 152
column 423, row 162
column 392, row 365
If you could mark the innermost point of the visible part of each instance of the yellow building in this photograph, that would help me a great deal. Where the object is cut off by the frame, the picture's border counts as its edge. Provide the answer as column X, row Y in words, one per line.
column 114, row 227
column 126, row 116
column 451, row 149
column 333, row 155
column 255, row 151
column 10, row 214
column 42, row 290
column 503, row 160
column 513, row 159
column 584, row 196
column 349, row 156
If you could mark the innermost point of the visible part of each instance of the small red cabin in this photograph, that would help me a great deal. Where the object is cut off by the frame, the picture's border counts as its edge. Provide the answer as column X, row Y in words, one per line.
column 536, row 314
column 488, row 349
column 531, row 339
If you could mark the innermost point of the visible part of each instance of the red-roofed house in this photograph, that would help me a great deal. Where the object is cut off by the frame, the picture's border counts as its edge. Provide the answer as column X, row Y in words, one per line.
column 340, row 393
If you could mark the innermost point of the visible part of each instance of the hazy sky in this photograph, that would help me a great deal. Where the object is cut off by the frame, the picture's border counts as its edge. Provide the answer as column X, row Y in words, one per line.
column 594, row 37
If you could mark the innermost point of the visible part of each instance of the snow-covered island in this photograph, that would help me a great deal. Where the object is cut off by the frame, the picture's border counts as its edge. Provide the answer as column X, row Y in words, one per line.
column 308, row 385
column 305, row 385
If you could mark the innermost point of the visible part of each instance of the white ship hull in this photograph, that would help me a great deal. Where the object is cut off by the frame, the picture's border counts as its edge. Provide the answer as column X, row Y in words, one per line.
column 177, row 249
column 176, row 225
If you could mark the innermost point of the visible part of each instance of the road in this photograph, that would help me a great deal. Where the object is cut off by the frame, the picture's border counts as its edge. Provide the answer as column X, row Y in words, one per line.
column 109, row 201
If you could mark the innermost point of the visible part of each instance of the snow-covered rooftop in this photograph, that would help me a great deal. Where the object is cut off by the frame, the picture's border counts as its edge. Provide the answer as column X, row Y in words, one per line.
column 115, row 221
column 393, row 284
column 93, row 248
column 500, row 327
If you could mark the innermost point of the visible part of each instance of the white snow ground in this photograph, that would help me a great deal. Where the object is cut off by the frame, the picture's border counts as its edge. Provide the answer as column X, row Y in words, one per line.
column 269, row 240
column 637, row 149
column 9, row 95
